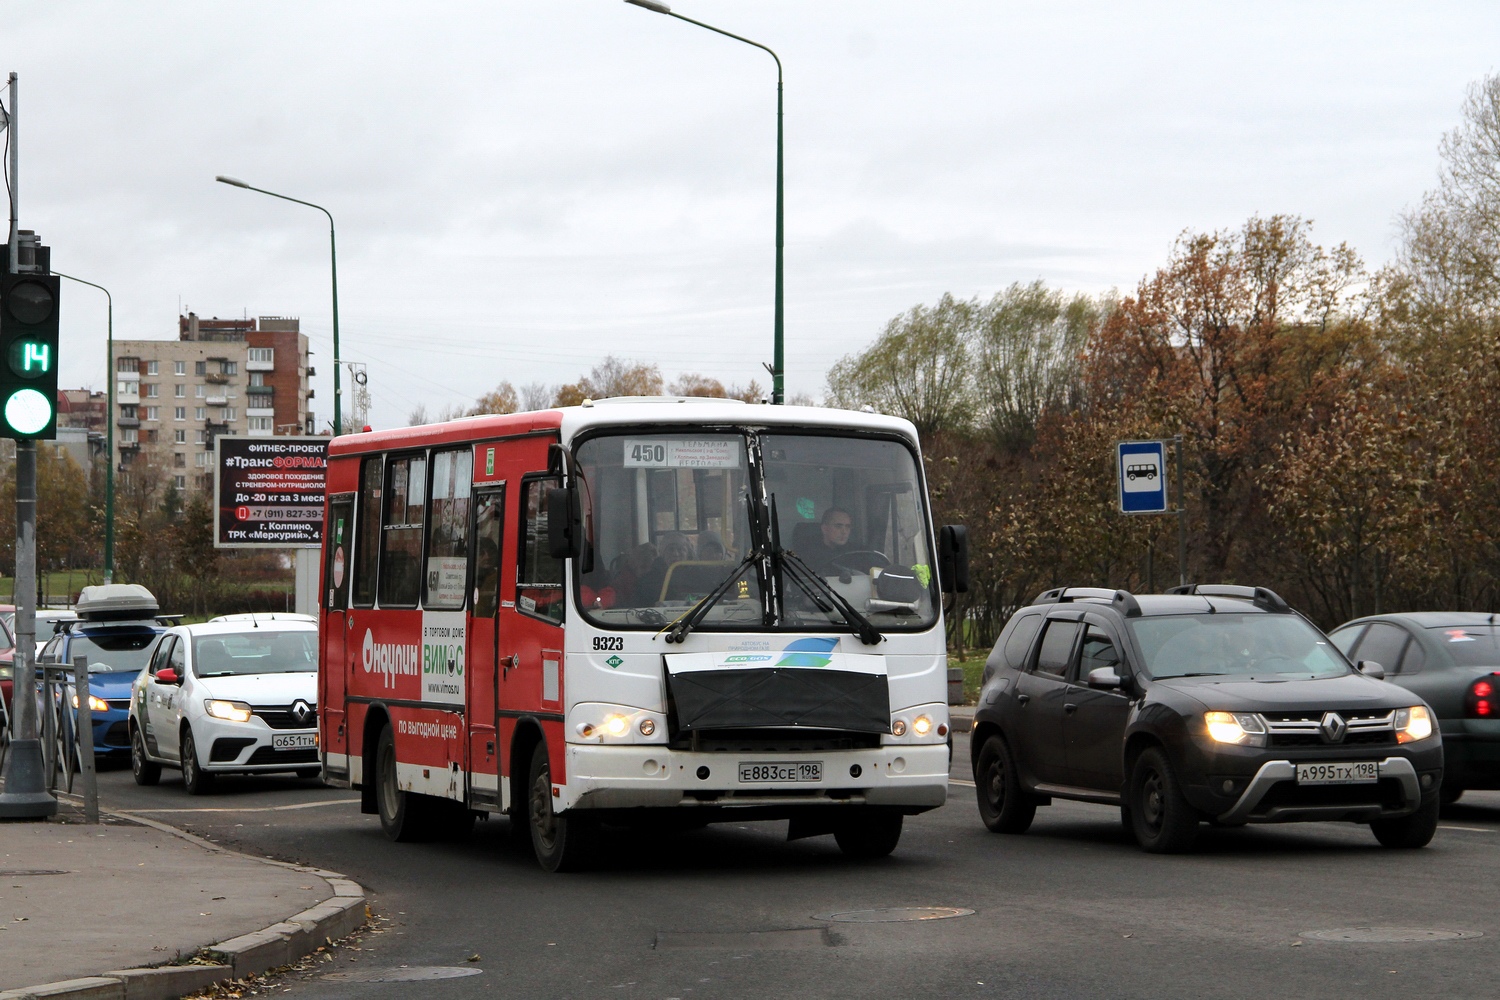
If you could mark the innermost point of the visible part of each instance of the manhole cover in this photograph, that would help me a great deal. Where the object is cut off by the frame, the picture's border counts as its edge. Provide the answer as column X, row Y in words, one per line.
column 405, row 974
column 1388, row 935
column 19, row 872
column 892, row 914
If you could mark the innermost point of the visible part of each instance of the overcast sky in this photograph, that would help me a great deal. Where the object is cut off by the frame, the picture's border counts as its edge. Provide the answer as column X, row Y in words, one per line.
column 521, row 189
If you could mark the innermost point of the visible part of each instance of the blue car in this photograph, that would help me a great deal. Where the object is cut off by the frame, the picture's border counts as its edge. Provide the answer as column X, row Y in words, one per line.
column 116, row 629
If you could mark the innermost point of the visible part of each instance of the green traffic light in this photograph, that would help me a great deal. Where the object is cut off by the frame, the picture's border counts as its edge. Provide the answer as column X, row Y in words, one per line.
column 28, row 412
column 30, row 358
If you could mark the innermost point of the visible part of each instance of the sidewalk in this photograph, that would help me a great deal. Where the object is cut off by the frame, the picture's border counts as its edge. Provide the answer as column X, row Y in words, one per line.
column 82, row 901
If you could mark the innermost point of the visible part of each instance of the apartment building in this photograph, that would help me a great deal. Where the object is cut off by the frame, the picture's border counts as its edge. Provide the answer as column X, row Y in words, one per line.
column 220, row 376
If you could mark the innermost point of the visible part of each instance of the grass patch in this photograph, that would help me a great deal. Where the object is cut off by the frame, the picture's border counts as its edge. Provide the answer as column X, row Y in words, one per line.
column 973, row 670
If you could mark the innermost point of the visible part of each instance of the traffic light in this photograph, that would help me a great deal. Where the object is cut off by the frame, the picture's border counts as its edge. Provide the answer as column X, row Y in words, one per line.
column 28, row 356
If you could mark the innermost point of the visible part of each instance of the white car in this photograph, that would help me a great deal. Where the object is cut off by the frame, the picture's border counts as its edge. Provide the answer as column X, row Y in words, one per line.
column 227, row 698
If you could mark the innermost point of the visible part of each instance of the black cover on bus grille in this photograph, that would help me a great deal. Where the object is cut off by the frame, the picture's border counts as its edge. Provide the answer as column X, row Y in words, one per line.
column 781, row 696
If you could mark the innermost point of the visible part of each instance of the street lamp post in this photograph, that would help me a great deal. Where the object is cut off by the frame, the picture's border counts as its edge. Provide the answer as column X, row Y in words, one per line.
column 338, row 426
column 778, row 369
column 109, row 433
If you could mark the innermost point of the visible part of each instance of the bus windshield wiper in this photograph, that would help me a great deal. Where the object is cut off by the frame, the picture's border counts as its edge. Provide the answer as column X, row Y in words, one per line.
column 678, row 631
column 804, row 577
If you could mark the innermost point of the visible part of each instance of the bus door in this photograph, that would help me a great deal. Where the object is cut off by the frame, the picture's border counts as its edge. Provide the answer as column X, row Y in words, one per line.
column 483, row 691
column 334, row 665
column 531, row 633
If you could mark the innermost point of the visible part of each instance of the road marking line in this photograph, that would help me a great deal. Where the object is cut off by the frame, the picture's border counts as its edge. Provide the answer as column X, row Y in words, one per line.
column 250, row 809
column 960, row 781
column 1466, row 829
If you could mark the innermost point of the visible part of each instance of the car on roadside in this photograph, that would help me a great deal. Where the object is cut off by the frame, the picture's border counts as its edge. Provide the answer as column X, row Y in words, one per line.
column 227, row 697
column 1451, row 660
column 7, row 669
column 1207, row 703
column 113, row 627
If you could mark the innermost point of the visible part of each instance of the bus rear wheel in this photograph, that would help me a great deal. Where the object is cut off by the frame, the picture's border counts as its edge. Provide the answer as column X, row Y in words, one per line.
column 403, row 815
column 562, row 842
column 869, row 836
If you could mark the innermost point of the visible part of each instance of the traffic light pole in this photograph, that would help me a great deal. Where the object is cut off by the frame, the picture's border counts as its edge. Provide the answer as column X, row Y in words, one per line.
column 25, row 795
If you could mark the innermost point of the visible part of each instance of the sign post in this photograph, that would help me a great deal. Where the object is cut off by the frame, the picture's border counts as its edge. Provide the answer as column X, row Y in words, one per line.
column 1141, row 468
column 269, row 493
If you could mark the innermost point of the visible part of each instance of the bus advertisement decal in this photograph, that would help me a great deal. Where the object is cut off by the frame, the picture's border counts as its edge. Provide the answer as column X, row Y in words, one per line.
column 443, row 641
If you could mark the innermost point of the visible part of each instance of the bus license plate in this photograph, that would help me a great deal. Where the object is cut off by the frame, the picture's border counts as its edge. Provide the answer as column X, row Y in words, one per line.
column 780, row 770
column 294, row 741
column 1362, row 772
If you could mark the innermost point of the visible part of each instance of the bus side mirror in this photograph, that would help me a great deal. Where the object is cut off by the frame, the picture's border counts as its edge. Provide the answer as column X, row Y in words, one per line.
column 953, row 559
column 562, row 523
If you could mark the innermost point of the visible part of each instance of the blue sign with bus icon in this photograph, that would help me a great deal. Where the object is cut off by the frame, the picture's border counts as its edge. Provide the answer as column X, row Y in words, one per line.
column 1142, row 469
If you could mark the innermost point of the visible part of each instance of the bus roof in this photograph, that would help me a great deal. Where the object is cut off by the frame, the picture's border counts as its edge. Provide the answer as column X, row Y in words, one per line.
column 568, row 421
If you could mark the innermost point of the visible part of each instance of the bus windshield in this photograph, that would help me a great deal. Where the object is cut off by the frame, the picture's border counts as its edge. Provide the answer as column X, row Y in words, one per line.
column 851, row 510
column 669, row 516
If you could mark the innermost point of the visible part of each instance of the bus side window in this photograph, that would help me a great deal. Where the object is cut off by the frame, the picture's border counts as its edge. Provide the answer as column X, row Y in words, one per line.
column 448, row 530
column 488, row 511
column 401, row 531
column 368, row 540
column 539, row 575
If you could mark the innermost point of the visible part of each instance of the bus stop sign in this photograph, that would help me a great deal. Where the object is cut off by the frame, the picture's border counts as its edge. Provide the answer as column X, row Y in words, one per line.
column 1142, row 468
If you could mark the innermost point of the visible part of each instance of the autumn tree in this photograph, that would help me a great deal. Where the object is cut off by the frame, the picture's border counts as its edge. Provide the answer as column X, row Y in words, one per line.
column 692, row 384
column 1196, row 351
column 1028, row 352
column 1447, row 279
column 612, row 377
column 501, row 399
column 918, row 368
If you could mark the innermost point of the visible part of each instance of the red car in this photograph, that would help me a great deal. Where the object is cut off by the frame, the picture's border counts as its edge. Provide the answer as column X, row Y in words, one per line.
column 7, row 658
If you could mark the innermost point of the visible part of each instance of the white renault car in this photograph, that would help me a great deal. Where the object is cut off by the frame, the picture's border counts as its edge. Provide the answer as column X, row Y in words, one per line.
column 232, row 697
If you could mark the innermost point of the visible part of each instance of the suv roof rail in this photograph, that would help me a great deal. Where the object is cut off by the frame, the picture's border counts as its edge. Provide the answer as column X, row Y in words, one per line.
column 1122, row 600
column 1262, row 597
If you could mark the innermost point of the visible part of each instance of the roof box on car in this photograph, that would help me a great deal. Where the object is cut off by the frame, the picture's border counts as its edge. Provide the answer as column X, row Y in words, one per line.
column 116, row 602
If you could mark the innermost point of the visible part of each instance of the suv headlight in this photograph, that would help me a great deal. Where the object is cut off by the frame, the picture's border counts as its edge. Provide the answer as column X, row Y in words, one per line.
column 1413, row 724
column 1239, row 728
column 230, row 711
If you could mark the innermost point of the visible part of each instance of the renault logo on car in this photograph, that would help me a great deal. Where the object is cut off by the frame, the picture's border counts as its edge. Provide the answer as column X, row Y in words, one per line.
column 1333, row 727
column 301, row 712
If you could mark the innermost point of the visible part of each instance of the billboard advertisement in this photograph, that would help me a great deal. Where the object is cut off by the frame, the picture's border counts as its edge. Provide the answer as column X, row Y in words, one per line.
column 269, row 492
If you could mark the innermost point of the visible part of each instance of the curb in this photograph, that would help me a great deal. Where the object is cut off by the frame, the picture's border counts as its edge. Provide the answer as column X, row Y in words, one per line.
column 282, row 943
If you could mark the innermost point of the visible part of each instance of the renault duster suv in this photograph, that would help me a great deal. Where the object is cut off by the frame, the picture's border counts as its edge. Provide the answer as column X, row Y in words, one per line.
column 1205, row 703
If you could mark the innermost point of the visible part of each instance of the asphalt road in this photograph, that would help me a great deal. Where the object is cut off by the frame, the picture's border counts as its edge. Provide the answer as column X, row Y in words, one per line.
column 1071, row 909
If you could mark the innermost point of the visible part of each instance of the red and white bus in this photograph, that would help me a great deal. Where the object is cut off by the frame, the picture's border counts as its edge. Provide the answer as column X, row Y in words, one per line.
column 637, row 610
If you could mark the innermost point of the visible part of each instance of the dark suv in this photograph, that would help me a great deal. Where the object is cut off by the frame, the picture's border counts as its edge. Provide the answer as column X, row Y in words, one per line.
column 1205, row 703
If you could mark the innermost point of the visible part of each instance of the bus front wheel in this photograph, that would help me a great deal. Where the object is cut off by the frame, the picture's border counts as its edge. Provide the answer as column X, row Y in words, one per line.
column 562, row 842
column 402, row 815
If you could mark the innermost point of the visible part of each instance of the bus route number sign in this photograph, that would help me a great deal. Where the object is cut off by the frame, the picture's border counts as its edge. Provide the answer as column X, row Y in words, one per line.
column 681, row 453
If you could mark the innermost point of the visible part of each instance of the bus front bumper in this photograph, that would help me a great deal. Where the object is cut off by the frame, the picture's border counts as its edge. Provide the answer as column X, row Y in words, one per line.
column 912, row 778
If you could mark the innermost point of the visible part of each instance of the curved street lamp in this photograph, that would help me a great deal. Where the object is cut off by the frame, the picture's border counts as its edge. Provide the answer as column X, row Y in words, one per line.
column 778, row 395
column 338, row 425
